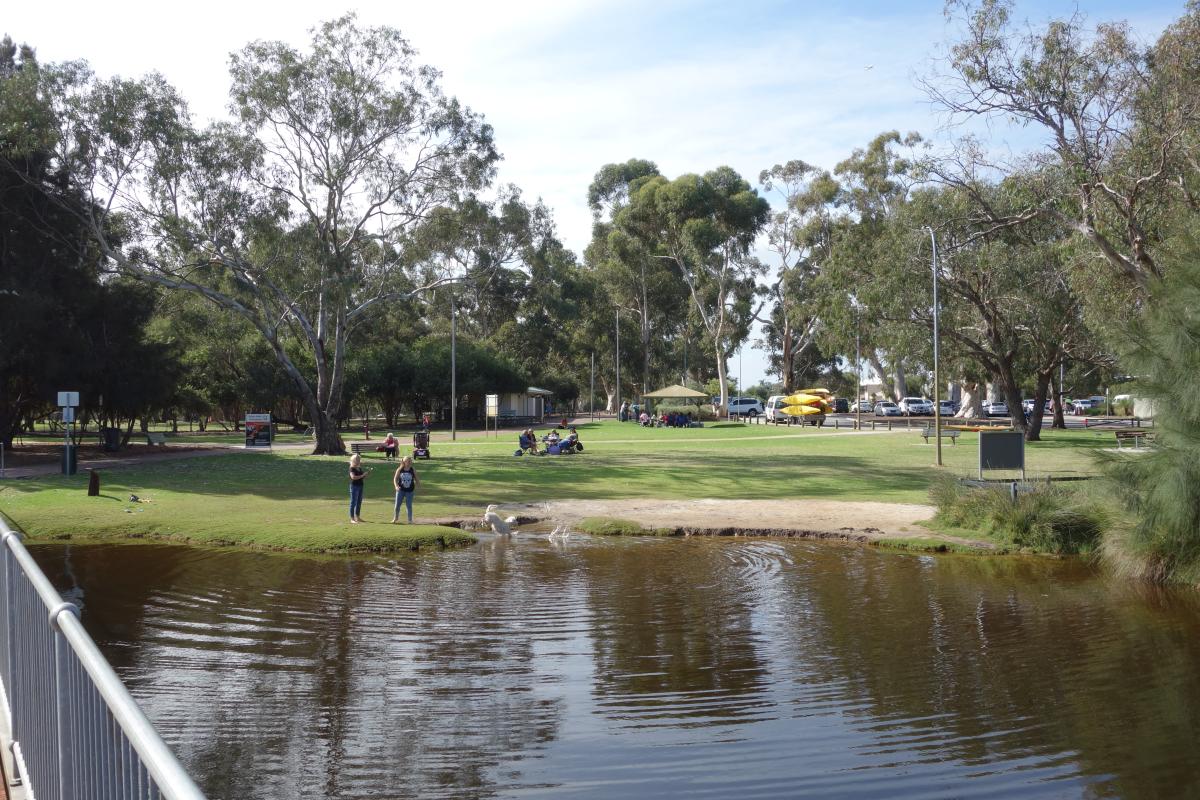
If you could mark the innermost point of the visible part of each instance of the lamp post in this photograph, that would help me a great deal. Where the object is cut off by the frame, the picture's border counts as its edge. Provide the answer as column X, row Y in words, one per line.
column 858, row 375
column 617, row 313
column 592, row 391
column 937, row 377
column 453, row 367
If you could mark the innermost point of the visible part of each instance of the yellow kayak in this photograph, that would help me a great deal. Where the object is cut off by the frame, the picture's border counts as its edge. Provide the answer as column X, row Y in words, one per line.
column 804, row 399
column 820, row 392
column 801, row 411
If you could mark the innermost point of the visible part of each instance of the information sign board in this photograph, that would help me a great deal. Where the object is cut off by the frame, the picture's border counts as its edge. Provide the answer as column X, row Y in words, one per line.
column 258, row 430
column 1001, row 450
column 67, row 399
column 492, row 401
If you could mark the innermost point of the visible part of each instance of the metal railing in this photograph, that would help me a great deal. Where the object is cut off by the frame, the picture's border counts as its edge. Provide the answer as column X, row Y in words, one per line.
column 75, row 730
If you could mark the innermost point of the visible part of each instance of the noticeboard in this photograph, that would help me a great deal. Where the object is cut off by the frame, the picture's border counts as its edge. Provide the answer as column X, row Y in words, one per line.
column 1001, row 450
column 68, row 399
column 258, row 430
column 492, row 403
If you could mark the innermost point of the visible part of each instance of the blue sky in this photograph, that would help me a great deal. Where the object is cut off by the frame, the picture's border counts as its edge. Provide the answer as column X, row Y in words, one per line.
column 574, row 84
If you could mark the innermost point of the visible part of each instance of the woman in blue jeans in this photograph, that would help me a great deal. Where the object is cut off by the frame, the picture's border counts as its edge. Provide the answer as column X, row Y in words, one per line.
column 405, row 482
column 357, row 474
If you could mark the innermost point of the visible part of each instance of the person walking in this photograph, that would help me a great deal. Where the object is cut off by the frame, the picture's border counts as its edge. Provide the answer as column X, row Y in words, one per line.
column 357, row 475
column 405, row 481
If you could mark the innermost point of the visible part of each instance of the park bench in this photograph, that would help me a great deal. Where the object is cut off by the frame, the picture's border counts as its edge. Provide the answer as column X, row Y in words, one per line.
column 953, row 434
column 1138, row 437
column 358, row 448
column 156, row 438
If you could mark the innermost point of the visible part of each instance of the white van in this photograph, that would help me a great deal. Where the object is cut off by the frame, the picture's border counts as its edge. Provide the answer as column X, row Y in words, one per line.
column 773, row 409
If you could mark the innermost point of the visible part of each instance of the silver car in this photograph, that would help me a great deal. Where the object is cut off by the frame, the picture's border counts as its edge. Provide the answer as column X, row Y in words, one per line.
column 886, row 408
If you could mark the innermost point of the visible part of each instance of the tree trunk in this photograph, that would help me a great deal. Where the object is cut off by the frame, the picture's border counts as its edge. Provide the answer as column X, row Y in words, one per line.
column 901, row 382
column 877, row 366
column 1034, row 432
column 789, row 380
column 1012, row 394
column 724, row 381
column 972, row 401
column 1059, row 422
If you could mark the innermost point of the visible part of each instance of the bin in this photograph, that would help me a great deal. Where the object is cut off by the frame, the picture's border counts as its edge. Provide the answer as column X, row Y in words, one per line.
column 68, row 459
column 110, row 439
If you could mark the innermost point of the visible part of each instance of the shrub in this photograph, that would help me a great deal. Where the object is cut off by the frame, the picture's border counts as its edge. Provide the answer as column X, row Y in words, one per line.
column 1043, row 518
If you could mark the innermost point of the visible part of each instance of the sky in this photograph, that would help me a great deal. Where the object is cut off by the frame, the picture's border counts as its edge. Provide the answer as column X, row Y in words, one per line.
column 571, row 85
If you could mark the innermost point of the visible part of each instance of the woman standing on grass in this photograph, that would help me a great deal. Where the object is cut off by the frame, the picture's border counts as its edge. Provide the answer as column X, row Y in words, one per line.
column 357, row 474
column 406, row 482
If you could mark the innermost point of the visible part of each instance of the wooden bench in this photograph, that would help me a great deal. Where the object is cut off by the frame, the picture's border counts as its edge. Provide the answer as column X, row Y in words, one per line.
column 953, row 434
column 358, row 448
column 1138, row 437
column 156, row 438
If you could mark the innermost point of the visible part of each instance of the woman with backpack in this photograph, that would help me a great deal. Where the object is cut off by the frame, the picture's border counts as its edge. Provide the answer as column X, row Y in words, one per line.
column 405, row 482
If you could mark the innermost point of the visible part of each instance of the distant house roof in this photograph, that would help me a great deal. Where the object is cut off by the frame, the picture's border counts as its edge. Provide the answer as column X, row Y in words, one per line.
column 534, row 391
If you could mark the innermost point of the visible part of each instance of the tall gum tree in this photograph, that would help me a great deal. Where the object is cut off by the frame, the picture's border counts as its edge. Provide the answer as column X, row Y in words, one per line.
column 705, row 226
column 295, row 215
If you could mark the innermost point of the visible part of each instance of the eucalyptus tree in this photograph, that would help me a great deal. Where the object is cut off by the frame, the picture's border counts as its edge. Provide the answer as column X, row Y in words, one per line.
column 800, row 235
column 1118, row 118
column 296, row 214
column 705, row 227
column 639, row 283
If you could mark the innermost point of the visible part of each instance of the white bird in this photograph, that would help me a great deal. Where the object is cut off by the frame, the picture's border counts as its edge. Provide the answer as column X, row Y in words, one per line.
column 561, row 533
column 499, row 526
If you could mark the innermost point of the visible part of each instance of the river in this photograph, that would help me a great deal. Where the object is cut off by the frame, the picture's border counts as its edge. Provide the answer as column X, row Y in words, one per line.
column 649, row 668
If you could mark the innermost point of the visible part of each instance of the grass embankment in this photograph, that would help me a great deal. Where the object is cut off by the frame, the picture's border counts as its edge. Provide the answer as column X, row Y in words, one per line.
column 613, row 526
column 1041, row 519
column 295, row 501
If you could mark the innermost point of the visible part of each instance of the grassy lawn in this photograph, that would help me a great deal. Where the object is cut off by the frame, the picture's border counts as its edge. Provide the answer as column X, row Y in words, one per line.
column 288, row 499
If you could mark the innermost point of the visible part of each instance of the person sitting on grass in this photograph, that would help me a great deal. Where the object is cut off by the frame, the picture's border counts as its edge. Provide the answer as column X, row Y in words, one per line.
column 573, row 441
column 528, row 442
column 552, row 437
column 644, row 420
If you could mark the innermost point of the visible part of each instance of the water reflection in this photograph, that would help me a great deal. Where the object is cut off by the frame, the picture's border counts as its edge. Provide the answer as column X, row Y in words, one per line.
column 648, row 668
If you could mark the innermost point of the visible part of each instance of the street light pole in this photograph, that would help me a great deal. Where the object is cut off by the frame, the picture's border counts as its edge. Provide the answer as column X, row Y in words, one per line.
column 592, row 391
column 617, row 313
column 453, row 367
column 937, row 376
column 858, row 374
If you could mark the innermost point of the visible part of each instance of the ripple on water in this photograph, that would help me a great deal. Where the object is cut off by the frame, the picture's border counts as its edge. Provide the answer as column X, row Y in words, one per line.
column 648, row 668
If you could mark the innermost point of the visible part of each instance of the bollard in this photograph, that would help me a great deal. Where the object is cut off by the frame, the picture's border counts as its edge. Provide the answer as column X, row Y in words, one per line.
column 93, row 483
column 1013, row 489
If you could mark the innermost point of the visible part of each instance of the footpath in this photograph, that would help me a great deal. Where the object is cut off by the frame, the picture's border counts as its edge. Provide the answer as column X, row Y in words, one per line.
column 164, row 453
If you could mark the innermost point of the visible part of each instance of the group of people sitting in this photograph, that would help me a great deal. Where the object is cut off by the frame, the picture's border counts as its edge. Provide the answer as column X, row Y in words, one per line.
column 552, row 443
column 668, row 419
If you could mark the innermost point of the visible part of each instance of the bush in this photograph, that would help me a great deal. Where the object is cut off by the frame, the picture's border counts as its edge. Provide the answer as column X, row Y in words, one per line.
column 1043, row 519
column 1160, row 490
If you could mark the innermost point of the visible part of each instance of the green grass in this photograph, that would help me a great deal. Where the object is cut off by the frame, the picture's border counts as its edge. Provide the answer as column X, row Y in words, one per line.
column 613, row 526
column 293, row 500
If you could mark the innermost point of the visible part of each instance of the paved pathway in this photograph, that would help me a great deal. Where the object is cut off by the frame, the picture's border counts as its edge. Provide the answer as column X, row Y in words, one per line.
column 167, row 453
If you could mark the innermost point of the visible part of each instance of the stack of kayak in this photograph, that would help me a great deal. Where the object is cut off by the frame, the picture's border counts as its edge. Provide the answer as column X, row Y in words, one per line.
column 807, row 403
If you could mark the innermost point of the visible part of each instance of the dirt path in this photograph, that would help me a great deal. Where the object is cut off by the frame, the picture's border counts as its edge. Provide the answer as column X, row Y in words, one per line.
column 827, row 519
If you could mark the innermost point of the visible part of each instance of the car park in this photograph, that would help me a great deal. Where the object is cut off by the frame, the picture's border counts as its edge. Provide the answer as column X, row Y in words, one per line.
column 840, row 405
column 996, row 409
column 886, row 408
column 916, row 407
column 863, row 407
column 947, row 408
column 746, row 406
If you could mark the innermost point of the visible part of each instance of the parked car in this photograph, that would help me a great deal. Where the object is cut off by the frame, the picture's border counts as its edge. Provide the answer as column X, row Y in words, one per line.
column 916, row 407
column 773, row 407
column 864, row 407
column 947, row 408
column 746, row 406
column 996, row 409
column 1027, row 406
column 840, row 405
column 886, row 408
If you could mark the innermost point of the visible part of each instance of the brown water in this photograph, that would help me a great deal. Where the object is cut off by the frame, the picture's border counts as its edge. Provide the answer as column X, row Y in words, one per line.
column 650, row 668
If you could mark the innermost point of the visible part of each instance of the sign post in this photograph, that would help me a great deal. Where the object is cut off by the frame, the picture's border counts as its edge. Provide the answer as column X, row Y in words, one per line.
column 258, row 430
column 68, row 401
column 1001, row 450
column 492, row 411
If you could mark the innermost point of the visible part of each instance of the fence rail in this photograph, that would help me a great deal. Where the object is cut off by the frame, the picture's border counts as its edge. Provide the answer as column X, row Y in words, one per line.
column 72, row 729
